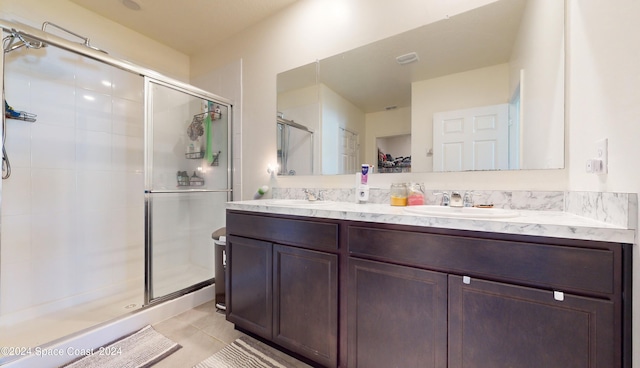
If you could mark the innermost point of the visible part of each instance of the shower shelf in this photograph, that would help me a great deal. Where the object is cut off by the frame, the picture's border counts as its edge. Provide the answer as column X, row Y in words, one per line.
column 21, row 115
column 194, row 155
column 190, row 184
column 184, row 180
column 199, row 155
column 10, row 113
column 200, row 117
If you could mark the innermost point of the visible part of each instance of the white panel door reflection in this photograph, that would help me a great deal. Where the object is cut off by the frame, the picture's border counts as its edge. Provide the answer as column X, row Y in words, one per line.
column 471, row 139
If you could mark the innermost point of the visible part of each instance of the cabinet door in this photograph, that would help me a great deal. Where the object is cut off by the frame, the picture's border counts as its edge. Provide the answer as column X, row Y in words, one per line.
column 397, row 316
column 305, row 285
column 500, row 325
column 249, row 298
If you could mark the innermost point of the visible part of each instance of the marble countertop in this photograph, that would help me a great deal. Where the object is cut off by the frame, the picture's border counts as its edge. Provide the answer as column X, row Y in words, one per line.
column 536, row 223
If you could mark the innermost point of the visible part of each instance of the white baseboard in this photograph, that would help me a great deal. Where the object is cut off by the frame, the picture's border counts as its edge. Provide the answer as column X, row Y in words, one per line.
column 105, row 333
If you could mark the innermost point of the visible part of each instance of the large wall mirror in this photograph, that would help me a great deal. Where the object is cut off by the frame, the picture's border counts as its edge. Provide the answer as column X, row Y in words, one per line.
column 480, row 90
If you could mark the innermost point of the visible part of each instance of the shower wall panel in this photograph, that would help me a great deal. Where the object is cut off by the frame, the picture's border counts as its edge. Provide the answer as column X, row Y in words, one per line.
column 72, row 214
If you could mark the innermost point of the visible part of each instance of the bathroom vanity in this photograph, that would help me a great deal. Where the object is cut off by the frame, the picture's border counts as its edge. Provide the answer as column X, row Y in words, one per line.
column 374, row 286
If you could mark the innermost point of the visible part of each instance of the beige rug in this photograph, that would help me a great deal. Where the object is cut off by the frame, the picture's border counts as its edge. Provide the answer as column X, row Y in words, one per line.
column 143, row 348
column 244, row 352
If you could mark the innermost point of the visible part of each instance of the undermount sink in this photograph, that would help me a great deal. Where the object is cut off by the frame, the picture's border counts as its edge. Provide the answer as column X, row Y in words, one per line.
column 296, row 202
column 462, row 212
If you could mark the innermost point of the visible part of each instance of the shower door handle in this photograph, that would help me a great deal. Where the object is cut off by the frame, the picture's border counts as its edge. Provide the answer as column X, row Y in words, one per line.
column 189, row 191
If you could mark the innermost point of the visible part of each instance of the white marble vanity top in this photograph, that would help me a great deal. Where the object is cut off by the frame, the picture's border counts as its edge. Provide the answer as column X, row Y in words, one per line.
column 537, row 223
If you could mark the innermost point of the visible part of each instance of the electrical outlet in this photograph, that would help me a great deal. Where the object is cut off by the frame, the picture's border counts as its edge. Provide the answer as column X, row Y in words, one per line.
column 602, row 154
column 594, row 166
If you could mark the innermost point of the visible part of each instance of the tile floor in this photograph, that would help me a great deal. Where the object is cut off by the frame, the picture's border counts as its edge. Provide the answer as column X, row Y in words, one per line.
column 202, row 331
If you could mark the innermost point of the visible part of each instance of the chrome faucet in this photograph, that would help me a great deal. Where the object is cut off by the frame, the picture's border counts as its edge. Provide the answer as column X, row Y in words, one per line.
column 309, row 195
column 456, row 200
column 467, row 200
column 446, row 199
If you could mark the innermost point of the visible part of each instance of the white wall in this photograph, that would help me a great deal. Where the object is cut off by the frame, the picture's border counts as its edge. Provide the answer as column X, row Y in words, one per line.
column 603, row 100
column 119, row 41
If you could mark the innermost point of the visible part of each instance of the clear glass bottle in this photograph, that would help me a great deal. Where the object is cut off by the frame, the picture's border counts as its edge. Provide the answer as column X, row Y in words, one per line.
column 415, row 195
column 398, row 194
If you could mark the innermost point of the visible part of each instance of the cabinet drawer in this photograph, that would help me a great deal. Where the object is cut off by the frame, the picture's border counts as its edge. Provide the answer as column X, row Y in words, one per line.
column 583, row 270
column 309, row 234
column 493, row 324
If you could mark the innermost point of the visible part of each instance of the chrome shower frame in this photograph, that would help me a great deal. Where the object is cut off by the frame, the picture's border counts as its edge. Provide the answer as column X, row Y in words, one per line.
column 150, row 191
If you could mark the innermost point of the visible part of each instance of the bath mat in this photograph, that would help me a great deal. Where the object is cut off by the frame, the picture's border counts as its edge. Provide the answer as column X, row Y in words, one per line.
column 244, row 352
column 143, row 348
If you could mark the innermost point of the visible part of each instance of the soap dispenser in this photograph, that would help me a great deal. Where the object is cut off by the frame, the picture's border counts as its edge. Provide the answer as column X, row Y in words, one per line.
column 362, row 189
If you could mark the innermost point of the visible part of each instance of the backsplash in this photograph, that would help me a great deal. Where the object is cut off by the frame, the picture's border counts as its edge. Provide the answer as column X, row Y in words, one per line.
column 613, row 208
column 620, row 209
column 521, row 200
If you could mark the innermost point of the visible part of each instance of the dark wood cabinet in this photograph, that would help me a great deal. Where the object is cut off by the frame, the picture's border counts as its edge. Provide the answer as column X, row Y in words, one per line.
column 305, row 296
column 494, row 324
column 285, row 293
column 249, row 277
column 397, row 316
column 513, row 301
column 358, row 294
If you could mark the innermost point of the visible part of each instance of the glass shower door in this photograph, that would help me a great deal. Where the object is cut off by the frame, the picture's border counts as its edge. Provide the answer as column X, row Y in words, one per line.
column 187, row 173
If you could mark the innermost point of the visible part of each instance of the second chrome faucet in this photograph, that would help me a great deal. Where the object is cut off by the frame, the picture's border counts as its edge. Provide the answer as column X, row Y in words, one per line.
column 455, row 199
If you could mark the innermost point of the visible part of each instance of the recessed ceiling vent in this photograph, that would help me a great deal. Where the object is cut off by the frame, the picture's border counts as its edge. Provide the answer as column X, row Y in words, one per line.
column 407, row 58
column 131, row 4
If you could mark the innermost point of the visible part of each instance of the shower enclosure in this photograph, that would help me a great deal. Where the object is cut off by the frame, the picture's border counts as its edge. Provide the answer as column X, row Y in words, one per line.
column 295, row 148
column 115, row 178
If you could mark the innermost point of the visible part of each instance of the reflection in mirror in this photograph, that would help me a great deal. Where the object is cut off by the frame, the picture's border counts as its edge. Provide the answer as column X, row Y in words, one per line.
column 298, row 113
column 485, row 91
column 295, row 148
column 394, row 153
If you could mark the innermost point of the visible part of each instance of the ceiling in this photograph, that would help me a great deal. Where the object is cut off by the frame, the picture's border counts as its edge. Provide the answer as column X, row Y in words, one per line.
column 187, row 25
